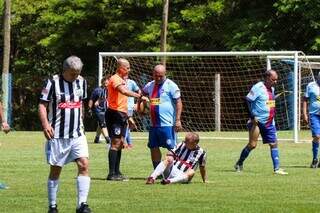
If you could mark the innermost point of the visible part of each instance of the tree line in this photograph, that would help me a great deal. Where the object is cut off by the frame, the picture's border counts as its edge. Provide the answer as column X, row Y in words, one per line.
column 46, row 32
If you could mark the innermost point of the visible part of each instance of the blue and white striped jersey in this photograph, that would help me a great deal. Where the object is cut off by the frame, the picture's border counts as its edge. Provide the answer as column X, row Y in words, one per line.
column 65, row 105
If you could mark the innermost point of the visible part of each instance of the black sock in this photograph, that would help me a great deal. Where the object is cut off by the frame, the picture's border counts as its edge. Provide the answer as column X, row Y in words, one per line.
column 113, row 155
column 155, row 164
column 117, row 167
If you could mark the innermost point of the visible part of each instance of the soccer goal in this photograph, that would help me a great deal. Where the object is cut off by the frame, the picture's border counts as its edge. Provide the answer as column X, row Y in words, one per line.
column 213, row 85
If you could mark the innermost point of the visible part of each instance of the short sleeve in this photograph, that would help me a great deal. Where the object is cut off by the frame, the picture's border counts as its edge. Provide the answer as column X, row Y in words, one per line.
column 253, row 93
column 47, row 90
column 203, row 159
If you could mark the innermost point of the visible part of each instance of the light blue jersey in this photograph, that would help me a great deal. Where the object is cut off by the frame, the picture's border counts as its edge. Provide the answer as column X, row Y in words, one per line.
column 313, row 95
column 132, row 86
column 162, row 102
column 262, row 102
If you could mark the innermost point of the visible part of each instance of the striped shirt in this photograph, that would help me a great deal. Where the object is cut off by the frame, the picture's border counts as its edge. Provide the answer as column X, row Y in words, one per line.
column 65, row 105
column 186, row 158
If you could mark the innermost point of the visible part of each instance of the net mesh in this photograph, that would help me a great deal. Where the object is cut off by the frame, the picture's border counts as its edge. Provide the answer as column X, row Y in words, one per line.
column 195, row 76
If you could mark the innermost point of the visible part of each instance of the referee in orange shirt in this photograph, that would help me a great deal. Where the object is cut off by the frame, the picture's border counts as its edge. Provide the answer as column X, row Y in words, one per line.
column 117, row 117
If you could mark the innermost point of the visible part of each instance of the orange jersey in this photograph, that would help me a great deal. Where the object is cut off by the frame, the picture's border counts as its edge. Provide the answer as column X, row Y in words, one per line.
column 116, row 100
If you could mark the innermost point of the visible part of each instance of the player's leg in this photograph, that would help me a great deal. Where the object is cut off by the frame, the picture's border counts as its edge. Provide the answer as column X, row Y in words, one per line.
column 154, row 147
column 117, row 132
column 178, row 176
column 98, row 133
column 56, row 160
column 103, row 126
column 80, row 154
column 254, row 132
column 159, row 170
column 315, row 129
column 269, row 136
column 52, row 187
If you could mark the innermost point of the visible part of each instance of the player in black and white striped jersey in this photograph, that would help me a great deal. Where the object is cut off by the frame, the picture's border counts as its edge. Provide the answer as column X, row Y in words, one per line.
column 60, row 112
column 181, row 163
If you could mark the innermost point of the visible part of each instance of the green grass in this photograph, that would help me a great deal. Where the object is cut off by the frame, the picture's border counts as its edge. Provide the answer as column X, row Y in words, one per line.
column 24, row 169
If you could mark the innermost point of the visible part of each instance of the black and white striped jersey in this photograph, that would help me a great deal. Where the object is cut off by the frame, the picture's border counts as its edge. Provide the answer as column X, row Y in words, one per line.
column 65, row 105
column 186, row 158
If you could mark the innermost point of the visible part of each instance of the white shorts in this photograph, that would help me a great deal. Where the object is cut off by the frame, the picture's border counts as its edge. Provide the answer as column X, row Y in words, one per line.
column 172, row 172
column 60, row 151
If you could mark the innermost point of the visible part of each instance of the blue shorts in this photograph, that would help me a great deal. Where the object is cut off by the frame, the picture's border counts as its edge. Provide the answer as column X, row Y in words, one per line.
column 268, row 133
column 315, row 124
column 162, row 137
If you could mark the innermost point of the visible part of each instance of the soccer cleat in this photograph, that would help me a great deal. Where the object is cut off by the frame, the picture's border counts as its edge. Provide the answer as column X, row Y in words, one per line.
column 114, row 177
column 165, row 182
column 238, row 167
column 84, row 208
column 314, row 164
column 53, row 209
column 108, row 140
column 122, row 177
column 96, row 140
column 150, row 180
column 280, row 172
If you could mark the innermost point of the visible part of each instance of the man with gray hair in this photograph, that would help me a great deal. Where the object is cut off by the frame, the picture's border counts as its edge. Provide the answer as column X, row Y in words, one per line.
column 60, row 112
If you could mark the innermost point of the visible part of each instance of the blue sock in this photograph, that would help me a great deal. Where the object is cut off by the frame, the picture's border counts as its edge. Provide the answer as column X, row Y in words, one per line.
column 244, row 154
column 275, row 158
column 315, row 147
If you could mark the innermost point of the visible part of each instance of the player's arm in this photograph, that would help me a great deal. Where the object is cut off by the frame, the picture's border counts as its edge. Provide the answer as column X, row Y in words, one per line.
column 4, row 125
column 304, row 109
column 179, row 107
column 124, row 91
column 249, row 110
column 47, row 129
column 203, row 173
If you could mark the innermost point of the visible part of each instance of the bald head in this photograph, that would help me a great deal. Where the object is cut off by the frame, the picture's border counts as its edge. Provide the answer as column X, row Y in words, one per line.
column 159, row 73
column 123, row 67
column 192, row 136
column 271, row 78
column 123, row 62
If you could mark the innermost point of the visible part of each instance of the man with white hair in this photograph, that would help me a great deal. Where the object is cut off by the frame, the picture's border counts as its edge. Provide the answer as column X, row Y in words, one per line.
column 312, row 97
column 61, row 113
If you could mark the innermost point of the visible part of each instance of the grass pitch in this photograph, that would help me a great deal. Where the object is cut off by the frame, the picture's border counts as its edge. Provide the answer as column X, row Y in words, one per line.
column 23, row 168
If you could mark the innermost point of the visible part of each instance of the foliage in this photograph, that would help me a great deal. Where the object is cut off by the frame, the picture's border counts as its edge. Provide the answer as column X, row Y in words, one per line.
column 45, row 32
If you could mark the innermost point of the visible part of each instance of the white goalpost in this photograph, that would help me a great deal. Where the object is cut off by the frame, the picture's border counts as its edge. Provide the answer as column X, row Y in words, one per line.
column 213, row 83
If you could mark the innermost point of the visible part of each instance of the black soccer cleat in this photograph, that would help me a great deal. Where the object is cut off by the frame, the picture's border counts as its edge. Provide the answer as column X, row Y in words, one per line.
column 53, row 209
column 314, row 164
column 84, row 208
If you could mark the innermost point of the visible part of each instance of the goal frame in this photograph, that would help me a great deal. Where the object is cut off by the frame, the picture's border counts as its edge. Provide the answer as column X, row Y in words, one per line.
column 294, row 55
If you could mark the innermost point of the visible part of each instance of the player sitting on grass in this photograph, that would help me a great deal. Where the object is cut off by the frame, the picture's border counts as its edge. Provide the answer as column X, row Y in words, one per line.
column 181, row 163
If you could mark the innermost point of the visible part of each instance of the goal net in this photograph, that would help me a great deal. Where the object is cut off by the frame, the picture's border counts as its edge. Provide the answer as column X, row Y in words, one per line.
column 213, row 85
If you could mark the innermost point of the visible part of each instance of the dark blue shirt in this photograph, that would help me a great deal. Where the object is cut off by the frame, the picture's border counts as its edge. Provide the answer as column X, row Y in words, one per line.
column 99, row 94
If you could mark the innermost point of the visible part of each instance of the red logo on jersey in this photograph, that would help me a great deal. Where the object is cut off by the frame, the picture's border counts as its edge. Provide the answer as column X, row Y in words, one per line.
column 69, row 105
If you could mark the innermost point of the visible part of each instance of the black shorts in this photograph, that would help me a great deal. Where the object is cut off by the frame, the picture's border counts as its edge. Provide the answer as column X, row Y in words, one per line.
column 101, row 118
column 116, row 123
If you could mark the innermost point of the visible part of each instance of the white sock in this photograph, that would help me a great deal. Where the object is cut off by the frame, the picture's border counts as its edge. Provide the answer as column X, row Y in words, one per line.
column 180, row 178
column 52, row 186
column 83, row 186
column 158, row 170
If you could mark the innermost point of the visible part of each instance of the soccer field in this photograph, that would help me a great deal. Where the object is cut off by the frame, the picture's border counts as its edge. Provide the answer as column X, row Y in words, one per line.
column 23, row 168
